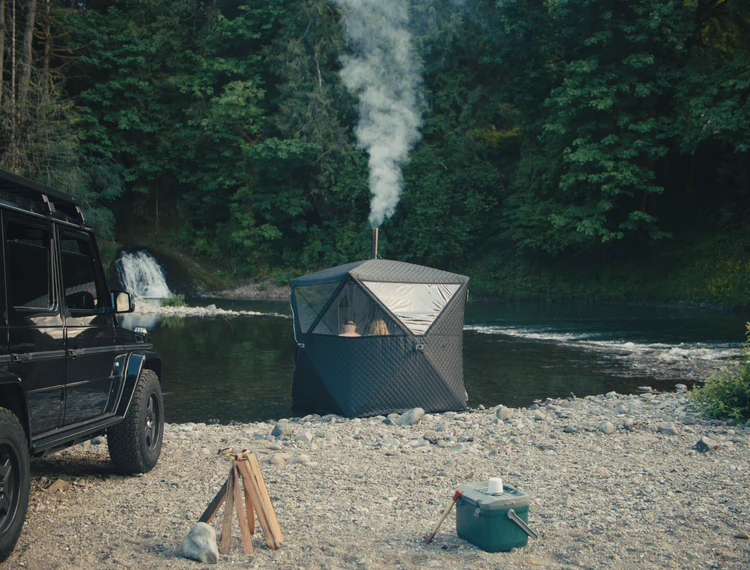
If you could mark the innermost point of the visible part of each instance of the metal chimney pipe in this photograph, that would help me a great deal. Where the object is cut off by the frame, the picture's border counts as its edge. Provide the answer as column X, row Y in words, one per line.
column 374, row 243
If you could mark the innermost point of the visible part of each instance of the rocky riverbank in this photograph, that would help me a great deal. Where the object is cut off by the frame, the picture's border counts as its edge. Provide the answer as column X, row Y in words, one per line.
column 154, row 307
column 616, row 482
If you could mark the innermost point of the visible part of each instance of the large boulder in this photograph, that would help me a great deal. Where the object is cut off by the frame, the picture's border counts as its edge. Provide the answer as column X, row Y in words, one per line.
column 200, row 544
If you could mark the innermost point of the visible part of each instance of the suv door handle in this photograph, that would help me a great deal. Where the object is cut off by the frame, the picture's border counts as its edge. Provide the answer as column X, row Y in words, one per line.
column 74, row 352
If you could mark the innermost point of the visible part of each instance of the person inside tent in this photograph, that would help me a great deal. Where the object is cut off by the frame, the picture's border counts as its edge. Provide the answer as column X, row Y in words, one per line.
column 350, row 329
column 378, row 328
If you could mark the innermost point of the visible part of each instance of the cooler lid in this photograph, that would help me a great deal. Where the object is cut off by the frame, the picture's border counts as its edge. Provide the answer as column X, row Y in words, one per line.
column 477, row 494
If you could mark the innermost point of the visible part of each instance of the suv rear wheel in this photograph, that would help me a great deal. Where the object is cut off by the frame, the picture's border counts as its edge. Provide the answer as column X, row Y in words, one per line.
column 15, row 477
column 135, row 444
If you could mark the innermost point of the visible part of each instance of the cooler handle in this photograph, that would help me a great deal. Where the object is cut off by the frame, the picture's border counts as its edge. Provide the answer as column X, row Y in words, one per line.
column 519, row 521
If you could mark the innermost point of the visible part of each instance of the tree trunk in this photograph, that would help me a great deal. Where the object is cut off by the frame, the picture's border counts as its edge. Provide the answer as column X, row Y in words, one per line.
column 2, row 48
column 28, row 39
column 14, row 166
column 47, row 35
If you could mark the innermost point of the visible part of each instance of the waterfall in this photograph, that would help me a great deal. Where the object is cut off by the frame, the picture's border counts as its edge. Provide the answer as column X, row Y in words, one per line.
column 142, row 276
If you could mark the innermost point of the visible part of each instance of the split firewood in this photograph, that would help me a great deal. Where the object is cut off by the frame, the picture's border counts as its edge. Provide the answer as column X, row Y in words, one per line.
column 257, row 501
column 226, row 528
column 252, row 460
column 214, row 505
column 247, row 544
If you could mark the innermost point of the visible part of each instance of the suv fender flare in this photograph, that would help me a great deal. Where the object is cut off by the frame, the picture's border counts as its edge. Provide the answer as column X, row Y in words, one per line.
column 137, row 361
column 13, row 397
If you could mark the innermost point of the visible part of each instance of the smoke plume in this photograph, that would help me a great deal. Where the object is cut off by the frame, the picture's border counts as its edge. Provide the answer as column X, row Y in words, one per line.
column 386, row 75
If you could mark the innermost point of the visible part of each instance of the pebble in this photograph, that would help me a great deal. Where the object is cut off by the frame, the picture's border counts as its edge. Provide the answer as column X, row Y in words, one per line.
column 58, row 486
column 706, row 444
column 504, row 413
column 306, row 438
column 669, row 429
column 281, row 428
column 607, row 428
column 280, row 458
column 300, row 459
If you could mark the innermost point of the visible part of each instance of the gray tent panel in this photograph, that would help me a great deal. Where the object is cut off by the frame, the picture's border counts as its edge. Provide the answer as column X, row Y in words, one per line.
column 338, row 273
column 400, row 272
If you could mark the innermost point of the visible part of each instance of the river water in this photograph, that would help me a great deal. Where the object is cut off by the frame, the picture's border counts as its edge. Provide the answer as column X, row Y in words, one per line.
column 240, row 368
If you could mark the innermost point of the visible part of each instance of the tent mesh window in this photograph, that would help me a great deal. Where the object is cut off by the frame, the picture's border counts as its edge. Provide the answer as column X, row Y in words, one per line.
column 355, row 307
column 310, row 300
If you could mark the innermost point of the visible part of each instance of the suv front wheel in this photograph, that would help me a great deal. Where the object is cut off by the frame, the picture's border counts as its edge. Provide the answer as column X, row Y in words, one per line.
column 135, row 443
column 15, row 477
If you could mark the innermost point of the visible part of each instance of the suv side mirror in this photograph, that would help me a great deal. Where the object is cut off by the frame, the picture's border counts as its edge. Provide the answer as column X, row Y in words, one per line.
column 122, row 302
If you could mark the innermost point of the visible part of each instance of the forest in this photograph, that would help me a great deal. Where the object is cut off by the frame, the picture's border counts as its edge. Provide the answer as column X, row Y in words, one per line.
column 569, row 149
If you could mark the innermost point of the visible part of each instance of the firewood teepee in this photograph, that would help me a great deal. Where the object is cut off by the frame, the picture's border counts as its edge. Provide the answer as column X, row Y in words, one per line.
column 245, row 479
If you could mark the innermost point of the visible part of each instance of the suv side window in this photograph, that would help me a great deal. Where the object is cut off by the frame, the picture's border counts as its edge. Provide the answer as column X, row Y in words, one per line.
column 28, row 250
column 84, row 289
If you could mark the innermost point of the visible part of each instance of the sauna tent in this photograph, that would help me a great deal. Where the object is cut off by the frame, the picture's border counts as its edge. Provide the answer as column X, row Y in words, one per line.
column 378, row 336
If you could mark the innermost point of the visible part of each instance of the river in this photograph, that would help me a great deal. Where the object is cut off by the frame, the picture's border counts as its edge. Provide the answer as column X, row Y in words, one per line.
column 239, row 369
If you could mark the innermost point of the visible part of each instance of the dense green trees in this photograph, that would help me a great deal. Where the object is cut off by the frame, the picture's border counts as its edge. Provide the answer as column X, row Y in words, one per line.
column 569, row 132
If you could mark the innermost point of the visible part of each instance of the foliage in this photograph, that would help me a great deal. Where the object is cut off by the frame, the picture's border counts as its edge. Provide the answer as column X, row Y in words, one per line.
column 176, row 300
column 727, row 392
column 575, row 147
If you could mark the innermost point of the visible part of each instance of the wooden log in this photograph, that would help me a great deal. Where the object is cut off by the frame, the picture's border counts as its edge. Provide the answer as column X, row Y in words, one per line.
column 247, row 544
column 252, row 460
column 249, row 507
column 255, row 494
column 214, row 505
column 226, row 528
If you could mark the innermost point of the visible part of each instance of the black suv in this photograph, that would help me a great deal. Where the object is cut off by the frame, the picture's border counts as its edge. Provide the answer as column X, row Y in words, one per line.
column 68, row 372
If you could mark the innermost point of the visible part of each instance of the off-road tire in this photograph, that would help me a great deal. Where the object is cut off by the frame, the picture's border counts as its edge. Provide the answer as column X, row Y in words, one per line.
column 135, row 444
column 15, row 478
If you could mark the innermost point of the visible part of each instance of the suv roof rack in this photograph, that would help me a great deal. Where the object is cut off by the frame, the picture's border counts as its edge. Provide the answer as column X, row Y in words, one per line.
column 40, row 198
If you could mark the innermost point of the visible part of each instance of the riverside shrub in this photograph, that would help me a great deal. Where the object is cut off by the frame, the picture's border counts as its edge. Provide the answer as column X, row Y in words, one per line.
column 727, row 392
column 177, row 300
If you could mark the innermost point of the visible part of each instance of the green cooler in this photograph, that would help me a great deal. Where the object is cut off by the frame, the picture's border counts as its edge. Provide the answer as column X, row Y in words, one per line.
column 494, row 522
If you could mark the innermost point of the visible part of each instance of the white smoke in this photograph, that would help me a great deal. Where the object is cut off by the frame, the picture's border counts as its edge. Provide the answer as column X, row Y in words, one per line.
column 386, row 75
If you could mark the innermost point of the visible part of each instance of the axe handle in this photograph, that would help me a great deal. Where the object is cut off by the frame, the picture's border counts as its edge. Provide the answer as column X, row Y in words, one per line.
column 428, row 538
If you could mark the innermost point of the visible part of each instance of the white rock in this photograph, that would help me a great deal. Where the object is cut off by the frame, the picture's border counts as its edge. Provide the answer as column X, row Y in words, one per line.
column 301, row 459
column 411, row 417
column 607, row 427
column 306, row 438
column 504, row 413
column 200, row 544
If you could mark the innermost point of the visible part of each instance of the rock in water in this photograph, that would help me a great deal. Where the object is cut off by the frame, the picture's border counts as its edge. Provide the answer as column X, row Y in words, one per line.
column 200, row 544
column 411, row 417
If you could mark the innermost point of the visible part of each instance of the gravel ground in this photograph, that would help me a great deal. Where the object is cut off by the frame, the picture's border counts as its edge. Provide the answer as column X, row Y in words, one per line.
column 361, row 493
